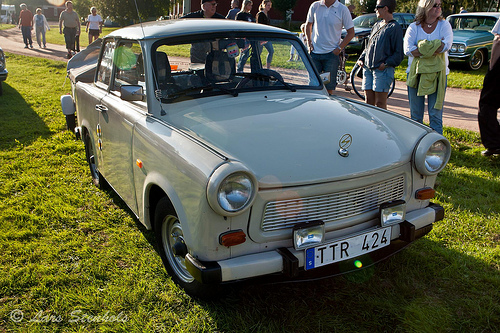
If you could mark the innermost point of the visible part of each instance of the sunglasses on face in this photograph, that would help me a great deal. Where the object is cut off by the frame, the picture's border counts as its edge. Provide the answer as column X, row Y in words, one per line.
column 437, row 5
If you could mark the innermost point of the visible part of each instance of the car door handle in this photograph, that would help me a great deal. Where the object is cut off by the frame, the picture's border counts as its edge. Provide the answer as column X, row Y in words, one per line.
column 101, row 108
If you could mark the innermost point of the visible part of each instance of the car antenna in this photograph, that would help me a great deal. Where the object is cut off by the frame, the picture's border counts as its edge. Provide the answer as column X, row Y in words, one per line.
column 157, row 92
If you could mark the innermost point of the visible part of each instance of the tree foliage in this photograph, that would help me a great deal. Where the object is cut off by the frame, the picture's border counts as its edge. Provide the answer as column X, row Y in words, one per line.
column 283, row 5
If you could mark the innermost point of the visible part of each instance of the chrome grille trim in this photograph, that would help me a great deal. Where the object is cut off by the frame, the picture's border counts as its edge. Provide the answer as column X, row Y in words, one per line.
column 284, row 214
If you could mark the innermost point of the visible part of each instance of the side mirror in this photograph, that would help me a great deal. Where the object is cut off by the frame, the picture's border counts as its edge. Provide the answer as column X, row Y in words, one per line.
column 325, row 77
column 132, row 93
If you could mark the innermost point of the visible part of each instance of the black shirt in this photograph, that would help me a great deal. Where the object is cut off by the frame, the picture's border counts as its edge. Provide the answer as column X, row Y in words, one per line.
column 201, row 14
column 244, row 16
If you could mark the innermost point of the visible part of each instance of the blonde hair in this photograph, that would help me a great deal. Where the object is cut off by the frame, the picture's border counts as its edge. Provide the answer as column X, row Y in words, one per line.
column 245, row 3
column 423, row 8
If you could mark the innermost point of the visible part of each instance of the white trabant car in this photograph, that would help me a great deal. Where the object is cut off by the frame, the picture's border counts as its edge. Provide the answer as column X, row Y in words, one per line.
column 244, row 170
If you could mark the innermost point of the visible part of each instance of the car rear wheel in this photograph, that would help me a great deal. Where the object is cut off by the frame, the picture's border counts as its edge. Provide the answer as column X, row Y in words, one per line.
column 477, row 60
column 173, row 249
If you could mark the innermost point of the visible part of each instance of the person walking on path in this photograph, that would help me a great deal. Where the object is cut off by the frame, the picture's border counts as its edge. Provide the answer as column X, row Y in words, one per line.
column 244, row 15
column 94, row 25
column 263, row 18
column 325, row 20
column 426, row 43
column 71, row 22
column 41, row 26
column 383, row 53
column 489, row 101
column 26, row 25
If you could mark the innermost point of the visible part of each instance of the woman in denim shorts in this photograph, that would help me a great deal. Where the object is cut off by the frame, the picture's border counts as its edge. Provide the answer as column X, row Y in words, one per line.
column 383, row 53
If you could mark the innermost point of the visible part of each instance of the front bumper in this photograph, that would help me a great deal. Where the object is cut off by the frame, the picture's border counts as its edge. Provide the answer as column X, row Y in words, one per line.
column 459, row 57
column 3, row 75
column 289, row 262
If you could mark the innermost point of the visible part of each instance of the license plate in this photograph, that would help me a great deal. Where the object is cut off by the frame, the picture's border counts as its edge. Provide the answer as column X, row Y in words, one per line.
column 330, row 253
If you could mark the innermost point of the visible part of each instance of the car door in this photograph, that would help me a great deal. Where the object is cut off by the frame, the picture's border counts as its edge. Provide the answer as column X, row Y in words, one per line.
column 118, row 118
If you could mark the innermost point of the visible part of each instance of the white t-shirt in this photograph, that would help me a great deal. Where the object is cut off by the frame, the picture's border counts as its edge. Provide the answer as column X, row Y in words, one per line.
column 327, row 25
column 415, row 33
column 94, row 21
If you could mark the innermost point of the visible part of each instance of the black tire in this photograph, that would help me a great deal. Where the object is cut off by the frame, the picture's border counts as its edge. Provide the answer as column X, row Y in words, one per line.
column 172, row 248
column 356, row 78
column 476, row 61
column 97, row 179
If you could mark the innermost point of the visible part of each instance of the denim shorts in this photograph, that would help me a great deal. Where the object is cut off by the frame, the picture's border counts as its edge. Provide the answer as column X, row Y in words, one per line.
column 377, row 80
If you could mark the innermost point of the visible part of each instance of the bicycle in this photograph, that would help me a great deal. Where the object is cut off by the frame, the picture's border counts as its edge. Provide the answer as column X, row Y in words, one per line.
column 355, row 77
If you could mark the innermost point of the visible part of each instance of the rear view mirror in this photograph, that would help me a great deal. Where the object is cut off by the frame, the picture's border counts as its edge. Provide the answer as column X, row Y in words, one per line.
column 131, row 93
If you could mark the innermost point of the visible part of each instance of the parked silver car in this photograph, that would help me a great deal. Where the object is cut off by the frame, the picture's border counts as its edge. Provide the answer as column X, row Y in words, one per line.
column 242, row 170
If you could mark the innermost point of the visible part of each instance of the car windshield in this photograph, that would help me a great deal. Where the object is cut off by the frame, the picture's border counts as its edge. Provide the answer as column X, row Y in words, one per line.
column 220, row 65
column 365, row 21
column 471, row 22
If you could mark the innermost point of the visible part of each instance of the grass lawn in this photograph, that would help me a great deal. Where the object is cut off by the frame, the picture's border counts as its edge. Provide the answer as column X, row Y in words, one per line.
column 73, row 258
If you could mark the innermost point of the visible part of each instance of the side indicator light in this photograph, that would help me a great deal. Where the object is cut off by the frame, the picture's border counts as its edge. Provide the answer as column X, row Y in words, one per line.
column 232, row 238
column 425, row 193
column 139, row 163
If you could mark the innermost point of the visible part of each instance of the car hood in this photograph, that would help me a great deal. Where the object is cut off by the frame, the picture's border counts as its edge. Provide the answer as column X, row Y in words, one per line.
column 467, row 36
column 358, row 31
column 294, row 138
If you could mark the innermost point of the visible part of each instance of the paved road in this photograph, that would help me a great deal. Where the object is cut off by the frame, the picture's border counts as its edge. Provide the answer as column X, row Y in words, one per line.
column 460, row 107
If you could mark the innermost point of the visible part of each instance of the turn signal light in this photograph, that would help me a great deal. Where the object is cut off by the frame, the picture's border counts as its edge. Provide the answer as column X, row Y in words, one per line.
column 139, row 163
column 425, row 193
column 232, row 238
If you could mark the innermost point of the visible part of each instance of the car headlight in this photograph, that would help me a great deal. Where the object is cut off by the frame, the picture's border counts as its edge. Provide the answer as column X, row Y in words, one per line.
column 231, row 189
column 461, row 48
column 2, row 60
column 355, row 39
column 453, row 48
column 432, row 154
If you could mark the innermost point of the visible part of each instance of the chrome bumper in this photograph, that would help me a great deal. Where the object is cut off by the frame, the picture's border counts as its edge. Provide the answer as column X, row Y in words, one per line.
column 290, row 262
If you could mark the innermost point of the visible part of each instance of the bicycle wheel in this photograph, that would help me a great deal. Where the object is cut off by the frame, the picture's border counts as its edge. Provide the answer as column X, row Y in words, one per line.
column 356, row 78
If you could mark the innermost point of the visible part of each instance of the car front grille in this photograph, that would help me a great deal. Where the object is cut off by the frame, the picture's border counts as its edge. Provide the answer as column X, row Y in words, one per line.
column 332, row 207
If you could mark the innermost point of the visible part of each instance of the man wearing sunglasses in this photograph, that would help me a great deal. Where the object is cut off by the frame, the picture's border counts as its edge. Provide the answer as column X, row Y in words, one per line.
column 325, row 21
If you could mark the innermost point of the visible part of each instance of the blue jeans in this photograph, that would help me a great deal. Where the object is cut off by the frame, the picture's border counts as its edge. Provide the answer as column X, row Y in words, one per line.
column 26, row 31
column 327, row 62
column 417, row 109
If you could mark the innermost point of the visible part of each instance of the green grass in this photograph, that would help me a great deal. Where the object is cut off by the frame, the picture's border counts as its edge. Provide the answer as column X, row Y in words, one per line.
column 71, row 252
column 6, row 26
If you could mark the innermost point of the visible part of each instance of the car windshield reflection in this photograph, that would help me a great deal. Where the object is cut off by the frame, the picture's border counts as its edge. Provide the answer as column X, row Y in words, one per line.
column 216, row 66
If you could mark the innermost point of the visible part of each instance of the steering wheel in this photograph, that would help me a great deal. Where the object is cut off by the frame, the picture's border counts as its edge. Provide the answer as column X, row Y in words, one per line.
column 261, row 75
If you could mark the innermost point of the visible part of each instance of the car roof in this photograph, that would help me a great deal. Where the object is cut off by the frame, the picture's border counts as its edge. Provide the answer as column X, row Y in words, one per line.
column 485, row 14
column 185, row 27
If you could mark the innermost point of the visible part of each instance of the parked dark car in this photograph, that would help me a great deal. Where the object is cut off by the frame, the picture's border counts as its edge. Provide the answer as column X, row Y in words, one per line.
column 3, row 70
column 363, row 25
column 472, row 38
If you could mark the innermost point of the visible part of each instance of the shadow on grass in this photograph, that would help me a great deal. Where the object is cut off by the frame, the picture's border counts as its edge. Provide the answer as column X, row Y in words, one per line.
column 19, row 123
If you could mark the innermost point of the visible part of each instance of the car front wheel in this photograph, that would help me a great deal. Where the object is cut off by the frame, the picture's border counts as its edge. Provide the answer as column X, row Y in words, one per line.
column 173, row 249
column 477, row 60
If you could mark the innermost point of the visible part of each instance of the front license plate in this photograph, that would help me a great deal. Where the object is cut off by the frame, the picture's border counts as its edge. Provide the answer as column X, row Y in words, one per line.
column 347, row 248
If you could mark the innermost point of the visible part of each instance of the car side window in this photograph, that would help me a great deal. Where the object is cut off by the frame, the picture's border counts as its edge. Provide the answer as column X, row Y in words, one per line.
column 106, row 64
column 129, row 65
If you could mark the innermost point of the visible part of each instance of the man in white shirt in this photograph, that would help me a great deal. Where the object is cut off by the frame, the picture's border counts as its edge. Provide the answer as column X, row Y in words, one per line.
column 325, row 21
